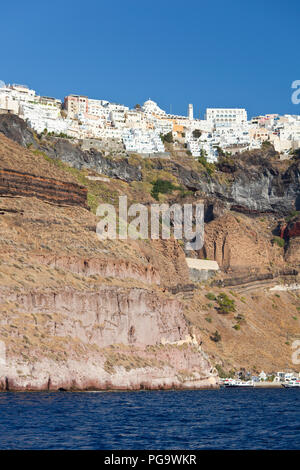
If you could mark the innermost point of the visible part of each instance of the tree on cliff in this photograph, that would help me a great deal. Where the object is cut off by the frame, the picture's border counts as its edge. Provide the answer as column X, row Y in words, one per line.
column 167, row 137
column 196, row 134
column 226, row 305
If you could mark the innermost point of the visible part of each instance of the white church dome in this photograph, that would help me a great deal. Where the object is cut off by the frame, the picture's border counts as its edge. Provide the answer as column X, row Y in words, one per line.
column 151, row 107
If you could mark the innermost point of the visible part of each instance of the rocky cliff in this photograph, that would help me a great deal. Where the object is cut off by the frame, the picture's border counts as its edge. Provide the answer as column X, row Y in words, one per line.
column 77, row 313
column 15, row 129
column 253, row 184
column 24, row 173
column 256, row 183
column 80, row 313
column 17, row 183
column 110, row 338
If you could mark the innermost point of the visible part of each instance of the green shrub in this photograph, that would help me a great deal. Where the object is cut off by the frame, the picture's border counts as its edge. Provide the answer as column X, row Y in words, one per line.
column 210, row 296
column 163, row 187
column 226, row 305
column 221, row 372
column 210, row 167
column 292, row 215
column 216, row 337
column 279, row 241
column 167, row 137
column 208, row 319
column 266, row 144
column 196, row 133
column 237, row 327
column 296, row 153
column 271, row 378
column 240, row 318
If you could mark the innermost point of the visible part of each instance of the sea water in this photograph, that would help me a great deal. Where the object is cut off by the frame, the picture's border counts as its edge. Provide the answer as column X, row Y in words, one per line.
column 200, row 419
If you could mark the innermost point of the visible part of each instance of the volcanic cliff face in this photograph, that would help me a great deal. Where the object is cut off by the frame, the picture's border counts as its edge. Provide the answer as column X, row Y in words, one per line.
column 113, row 336
column 255, row 185
column 239, row 244
column 77, row 312
column 90, row 321
column 17, row 183
column 80, row 313
column 291, row 233
column 15, row 129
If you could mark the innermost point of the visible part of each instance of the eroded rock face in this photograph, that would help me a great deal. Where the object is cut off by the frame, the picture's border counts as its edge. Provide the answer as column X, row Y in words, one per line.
column 254, row 184
column 292, row 229
column 110, row 316
column 254, row 188
column 91, row 375
column 114, row 338
column 237, row 246
column 17, row 183
column 291, row 233
column 74, row 156
column 120, row 269
column 293, row 251
column 17, row 130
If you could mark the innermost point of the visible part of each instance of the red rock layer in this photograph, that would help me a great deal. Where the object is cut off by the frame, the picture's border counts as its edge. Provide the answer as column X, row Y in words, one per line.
column 16, row 183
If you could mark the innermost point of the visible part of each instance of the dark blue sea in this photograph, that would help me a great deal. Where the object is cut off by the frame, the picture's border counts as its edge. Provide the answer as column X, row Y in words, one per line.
column 218, row 419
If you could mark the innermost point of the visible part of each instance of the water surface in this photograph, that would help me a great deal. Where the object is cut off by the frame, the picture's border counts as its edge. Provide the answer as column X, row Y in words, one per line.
column 208, row 419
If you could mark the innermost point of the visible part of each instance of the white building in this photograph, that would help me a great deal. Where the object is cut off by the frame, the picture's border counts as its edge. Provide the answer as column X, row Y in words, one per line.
column 140, row 141
column 150, row 107
column 43, row 116
column 12, row 96
column 262, row 376
column 222, row 117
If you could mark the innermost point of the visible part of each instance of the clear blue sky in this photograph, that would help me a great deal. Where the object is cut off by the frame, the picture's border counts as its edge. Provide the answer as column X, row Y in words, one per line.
column 230, row 53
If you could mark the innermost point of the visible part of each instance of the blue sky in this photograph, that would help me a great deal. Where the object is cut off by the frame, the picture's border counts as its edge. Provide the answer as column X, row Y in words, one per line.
column 212, row 54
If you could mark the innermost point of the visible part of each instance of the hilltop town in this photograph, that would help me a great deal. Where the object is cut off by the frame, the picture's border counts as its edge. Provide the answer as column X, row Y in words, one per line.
column 146, row 128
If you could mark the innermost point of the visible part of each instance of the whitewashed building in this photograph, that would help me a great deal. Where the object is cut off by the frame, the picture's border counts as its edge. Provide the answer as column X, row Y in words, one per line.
column 222, row 117
column 141, row 141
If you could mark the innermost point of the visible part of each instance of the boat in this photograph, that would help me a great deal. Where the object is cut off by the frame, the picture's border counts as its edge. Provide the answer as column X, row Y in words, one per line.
column 237, row 383
column 291, row 384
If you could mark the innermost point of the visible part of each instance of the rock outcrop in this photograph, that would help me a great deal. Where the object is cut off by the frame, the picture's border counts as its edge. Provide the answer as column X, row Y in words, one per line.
column 255, row 187
column 292, row 229
column 113, row 338
column 292, row 234
column 17, row 183
column 237, row 245
column 120, row 269
column 253, row 184
column 27, row 174
column 17, row 130
column 119, row 168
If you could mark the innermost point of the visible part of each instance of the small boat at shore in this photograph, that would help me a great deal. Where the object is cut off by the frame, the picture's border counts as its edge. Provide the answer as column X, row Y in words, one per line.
column 291, row 384
column 237, row 383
